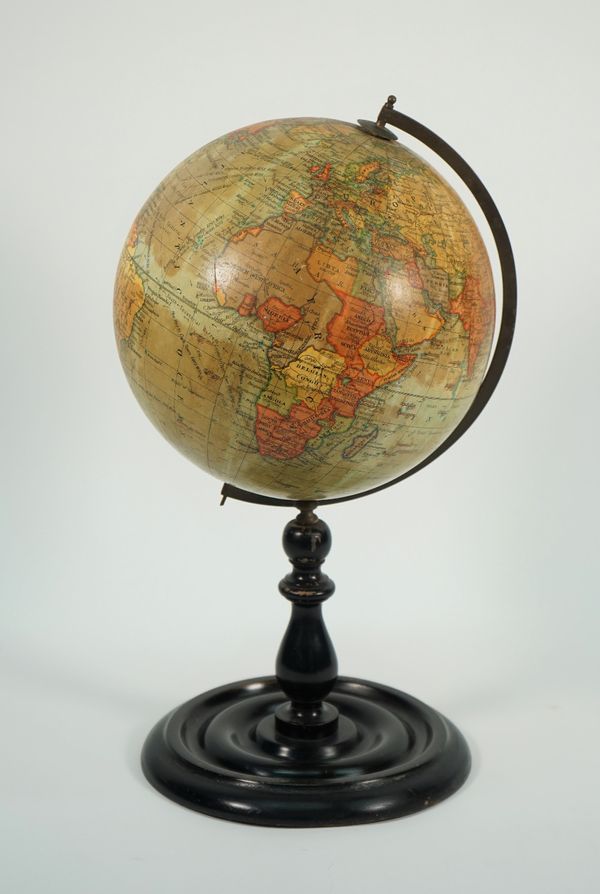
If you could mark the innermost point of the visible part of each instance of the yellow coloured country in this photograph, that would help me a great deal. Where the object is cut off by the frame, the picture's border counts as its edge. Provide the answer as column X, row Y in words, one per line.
column 313, row 374
column 377, row 355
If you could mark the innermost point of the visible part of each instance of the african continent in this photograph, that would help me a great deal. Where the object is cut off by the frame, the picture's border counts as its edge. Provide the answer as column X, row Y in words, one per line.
column 304, row 310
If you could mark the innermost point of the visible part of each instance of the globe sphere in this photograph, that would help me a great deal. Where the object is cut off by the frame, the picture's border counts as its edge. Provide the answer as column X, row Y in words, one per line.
column 304, row 310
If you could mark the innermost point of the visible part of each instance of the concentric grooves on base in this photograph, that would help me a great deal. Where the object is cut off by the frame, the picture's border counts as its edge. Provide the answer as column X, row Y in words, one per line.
column 220, row 754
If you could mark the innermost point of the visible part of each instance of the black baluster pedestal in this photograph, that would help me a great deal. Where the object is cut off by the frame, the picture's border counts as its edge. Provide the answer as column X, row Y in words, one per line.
column 306, row 747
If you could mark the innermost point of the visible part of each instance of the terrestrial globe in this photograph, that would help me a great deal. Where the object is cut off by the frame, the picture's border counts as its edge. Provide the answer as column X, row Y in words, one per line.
column 303, row 310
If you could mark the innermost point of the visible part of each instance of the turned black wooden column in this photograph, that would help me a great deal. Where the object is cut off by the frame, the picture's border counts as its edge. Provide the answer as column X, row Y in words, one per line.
column 306, row 662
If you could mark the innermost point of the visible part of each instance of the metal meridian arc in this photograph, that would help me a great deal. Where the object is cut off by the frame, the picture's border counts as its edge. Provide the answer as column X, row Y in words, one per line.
column 389, row 115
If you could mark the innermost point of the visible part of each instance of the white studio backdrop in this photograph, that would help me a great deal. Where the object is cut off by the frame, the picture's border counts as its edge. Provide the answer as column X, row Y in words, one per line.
column 126, row 589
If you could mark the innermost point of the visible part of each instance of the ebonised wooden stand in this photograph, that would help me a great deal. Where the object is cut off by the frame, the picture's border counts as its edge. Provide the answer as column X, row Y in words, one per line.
column 306, row 747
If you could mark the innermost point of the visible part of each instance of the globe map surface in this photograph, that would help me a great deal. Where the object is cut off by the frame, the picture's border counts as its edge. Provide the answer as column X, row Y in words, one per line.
column 304, row 310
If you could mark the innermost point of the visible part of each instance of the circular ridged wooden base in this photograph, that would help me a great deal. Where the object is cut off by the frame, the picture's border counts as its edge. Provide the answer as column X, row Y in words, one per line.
column 222, row 754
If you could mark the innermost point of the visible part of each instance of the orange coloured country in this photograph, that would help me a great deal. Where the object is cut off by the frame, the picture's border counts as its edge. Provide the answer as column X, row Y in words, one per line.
column 249, row 231
column 243, row 133
column 414, row 277
column 321, row 173
column 476, row 314
column 129, row 289
column 246, row 305
column 285, row 437
column 357, row 322
column 132, row 237
column 129, row 298
column 366, row 170
column 295, row 203
column 276, row 315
